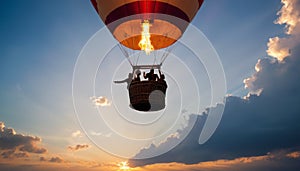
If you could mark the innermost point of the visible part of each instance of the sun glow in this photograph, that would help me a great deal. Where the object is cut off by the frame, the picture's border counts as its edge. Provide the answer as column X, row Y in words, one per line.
column 123, row 166
column 145, row 42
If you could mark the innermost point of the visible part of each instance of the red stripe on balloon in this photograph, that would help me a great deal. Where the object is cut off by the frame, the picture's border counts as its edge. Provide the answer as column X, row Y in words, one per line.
column 94, row 2
column 200, row 3
column 142, row 8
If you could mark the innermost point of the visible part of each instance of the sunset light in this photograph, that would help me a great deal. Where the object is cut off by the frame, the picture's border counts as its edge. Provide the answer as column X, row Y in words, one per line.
column 150, row 85
column 123, row 166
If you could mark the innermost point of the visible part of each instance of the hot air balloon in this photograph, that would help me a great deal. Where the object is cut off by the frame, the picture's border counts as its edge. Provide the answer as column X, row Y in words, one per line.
column 147, row 25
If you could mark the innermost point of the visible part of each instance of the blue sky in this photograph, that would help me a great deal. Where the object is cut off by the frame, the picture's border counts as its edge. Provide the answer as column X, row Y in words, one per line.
column 40, row 43
column 239, row 30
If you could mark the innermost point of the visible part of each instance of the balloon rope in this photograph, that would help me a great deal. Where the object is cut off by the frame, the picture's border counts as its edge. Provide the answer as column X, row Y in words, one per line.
column 155, row 55
column 167, row 53
column 164, row 56
column 169, row 49
column 125, row 53
column 138, row 58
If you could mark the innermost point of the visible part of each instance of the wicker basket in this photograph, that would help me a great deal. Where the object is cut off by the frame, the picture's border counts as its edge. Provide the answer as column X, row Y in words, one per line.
column 147, row 95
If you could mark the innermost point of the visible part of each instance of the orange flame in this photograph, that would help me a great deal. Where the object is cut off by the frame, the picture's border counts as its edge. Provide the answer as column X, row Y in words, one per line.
column 145, row 42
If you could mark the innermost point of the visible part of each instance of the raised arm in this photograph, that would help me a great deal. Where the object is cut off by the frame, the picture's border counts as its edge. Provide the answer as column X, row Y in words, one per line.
column 121, row 81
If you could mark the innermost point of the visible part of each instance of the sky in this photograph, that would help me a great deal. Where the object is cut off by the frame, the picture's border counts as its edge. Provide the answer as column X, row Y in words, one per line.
column 257, row 46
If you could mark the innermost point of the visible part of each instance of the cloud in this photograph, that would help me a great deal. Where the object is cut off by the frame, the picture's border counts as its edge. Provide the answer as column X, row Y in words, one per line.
column 273, row 161
column 56, row 160
column 61, row 165
column 249, row 127
column 52, row 159
column 43, row 159
column 289, row 15
column 281, row 71
column 107, row 135
column 96, row 133
column 78, row 147
column 294, row 155
column 276, row 161
column 279, row 48
column 210, row 165
column 266, row 120
column 100, row 101
column 11, row 154
column 77, row 134
column 18, row 145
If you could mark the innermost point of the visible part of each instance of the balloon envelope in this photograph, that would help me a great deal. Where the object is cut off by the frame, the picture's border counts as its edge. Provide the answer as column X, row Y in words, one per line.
column 168, row 18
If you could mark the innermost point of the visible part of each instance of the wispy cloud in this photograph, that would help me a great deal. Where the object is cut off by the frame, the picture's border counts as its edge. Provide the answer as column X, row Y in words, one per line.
column 56, row 160
column 294, row 155
column 77, row 134
column 78, row 147
column 101, row 134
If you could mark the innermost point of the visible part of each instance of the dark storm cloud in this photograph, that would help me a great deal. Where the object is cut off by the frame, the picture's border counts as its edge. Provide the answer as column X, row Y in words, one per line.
column 276, row 77
column 17, row 145
column 251, row 127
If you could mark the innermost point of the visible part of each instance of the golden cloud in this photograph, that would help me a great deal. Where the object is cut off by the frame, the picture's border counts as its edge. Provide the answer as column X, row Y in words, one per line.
column 100, row 101
column 294, row 155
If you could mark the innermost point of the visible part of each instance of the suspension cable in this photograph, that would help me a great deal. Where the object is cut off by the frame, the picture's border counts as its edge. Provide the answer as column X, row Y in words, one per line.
column 165, row 55
column 138, row 58
column 155, row 56
column 168, row 50
column 125, row 53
